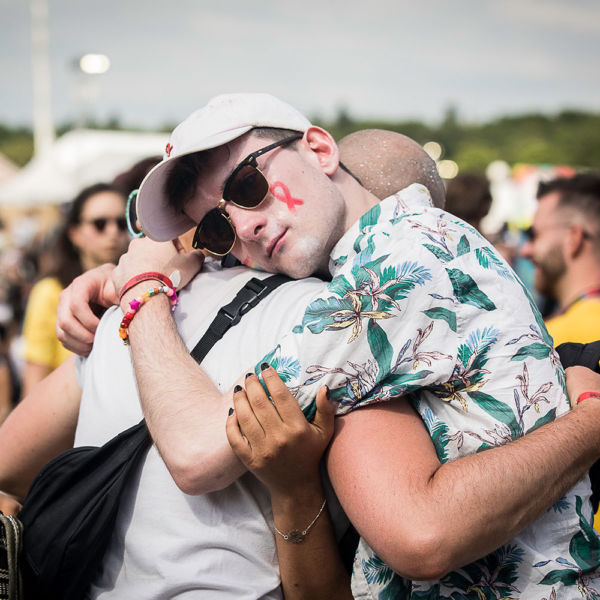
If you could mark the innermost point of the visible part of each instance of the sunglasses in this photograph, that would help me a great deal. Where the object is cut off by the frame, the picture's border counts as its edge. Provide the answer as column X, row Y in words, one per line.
column 101, row 222
column 246, row 187
column 530, row 234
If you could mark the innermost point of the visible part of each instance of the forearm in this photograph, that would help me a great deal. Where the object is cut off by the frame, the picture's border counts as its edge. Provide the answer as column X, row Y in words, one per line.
column 39, row 428
column 454, row 513
column 312, row 569
column 184, row 410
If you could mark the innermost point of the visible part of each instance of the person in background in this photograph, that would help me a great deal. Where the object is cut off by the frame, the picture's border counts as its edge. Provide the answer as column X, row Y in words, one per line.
column 564, row 247
column 94, row 232
column 130, row 180
column 468, row 197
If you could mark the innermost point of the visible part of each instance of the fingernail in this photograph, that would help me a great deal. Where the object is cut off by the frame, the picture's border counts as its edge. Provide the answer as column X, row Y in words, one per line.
column 248, row 375
column 264, row 366
column 237, row 388
column 230, row 412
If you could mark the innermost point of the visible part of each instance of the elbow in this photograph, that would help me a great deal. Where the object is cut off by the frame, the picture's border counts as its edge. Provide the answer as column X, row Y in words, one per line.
column 195, row 475
column 423, row 555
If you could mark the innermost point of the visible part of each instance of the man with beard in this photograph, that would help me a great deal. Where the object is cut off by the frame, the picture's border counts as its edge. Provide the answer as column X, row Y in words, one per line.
column 564, row 246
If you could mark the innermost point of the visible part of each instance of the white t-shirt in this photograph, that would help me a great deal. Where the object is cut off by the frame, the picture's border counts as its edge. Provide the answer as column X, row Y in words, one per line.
column 168, row 544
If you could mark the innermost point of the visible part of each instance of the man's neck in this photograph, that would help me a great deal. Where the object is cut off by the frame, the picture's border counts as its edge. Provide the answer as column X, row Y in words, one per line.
column 577, row 285
column 358, row 200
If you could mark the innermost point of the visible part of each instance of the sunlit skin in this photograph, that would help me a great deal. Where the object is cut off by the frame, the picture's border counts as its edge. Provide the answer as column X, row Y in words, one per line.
column 282, row 193
column 296, row 226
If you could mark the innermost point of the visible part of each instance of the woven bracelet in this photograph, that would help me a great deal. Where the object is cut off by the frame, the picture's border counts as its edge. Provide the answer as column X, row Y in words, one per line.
column 295, row 536
column 145, row 277
column 136, row 303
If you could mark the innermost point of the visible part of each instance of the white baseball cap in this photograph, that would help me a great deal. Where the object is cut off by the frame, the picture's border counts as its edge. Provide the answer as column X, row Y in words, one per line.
column 222, row 120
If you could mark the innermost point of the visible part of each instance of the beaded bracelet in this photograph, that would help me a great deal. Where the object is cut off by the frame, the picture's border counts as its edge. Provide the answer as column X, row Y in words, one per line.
column 134, row 306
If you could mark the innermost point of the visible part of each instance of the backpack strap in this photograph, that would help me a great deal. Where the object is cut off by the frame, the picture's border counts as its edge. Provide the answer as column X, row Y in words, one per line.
column 230, row 314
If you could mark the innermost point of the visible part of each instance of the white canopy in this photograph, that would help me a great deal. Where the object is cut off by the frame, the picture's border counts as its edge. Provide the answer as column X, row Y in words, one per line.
column 78, row 159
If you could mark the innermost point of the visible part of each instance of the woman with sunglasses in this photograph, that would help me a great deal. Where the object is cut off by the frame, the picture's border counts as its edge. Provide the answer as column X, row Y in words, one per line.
column 94, row 232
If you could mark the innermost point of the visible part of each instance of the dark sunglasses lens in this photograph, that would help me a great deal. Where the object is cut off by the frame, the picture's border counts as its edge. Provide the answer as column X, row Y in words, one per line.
column 247, row 188
column 99, row 224
column 214, row 233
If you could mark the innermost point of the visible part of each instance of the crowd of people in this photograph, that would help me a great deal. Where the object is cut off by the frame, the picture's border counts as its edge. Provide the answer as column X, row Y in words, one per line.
column 403, row 344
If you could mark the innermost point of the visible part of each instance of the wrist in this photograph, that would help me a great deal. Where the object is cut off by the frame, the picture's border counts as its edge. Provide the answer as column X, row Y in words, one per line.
column 137, row 302
column 305, row 494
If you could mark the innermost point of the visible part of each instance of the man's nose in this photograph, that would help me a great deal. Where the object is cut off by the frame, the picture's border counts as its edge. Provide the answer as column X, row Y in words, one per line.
column 248, row 223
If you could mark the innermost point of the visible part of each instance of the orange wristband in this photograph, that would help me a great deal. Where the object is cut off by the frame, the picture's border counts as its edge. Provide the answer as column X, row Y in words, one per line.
column 586, row 395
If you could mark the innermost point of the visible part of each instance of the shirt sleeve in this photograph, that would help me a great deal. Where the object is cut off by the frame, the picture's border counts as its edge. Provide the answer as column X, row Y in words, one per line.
column 380, row 330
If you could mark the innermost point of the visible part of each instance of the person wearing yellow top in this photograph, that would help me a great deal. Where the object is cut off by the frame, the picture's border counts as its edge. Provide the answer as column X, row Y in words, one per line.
column 94, row 232
column 42, row 345
column 564, row 246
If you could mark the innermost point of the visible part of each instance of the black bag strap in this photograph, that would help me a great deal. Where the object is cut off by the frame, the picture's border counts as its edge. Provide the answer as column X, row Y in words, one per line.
column 229, row 315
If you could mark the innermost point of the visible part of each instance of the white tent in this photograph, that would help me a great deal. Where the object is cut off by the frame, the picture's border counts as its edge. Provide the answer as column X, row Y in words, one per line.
column 77, row 159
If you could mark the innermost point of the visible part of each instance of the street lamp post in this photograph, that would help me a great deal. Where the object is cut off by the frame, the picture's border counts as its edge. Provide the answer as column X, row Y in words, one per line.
column 43, row 126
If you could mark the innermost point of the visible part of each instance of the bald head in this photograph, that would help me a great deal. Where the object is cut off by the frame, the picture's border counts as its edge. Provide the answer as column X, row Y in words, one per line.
column 386, row 161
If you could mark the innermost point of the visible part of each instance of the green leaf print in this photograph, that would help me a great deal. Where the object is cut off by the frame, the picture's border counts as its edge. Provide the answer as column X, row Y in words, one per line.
column 488, row 260
column 547, row 418
column 439, row 253
column 498, row 410
column 467, row 292
column 371, row 217
column 463, row 246
column 339, row 285
column 376, row 571
column 464, row 354
column 444, row 314
column 585, row 544
column 536, row 350
column 318, row 315
column 380, row 346
column 564, row 576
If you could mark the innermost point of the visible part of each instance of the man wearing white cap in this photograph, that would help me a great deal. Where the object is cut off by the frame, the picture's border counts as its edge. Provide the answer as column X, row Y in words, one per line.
column 418, row 305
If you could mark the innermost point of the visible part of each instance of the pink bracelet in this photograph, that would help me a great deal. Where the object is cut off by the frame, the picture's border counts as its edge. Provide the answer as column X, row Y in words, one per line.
column 136, row 303
column 586, row 395
column 145, row 277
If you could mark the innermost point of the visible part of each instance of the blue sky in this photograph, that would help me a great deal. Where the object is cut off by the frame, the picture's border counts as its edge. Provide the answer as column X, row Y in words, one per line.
column 392, row 59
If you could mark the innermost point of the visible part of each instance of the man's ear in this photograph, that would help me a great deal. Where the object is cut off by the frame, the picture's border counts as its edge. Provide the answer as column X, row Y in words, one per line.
column 324, row 148
column 574, row 238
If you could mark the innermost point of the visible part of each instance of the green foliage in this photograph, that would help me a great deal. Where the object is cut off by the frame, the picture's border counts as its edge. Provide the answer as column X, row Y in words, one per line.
column 571, row 137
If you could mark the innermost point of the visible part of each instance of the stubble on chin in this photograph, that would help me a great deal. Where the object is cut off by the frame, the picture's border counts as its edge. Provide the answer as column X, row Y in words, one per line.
column 308, row 258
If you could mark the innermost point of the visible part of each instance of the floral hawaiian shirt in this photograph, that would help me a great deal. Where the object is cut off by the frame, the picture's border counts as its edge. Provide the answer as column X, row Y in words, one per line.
column 421, row 305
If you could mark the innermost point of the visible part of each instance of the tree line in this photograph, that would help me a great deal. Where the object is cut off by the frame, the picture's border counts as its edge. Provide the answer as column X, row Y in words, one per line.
column 568, row 138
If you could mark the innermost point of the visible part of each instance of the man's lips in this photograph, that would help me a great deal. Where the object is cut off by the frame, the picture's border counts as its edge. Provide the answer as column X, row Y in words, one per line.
column 275, row 243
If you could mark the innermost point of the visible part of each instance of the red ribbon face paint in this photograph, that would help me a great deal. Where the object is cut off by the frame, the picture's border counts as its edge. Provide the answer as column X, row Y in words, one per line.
column 282, row 193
